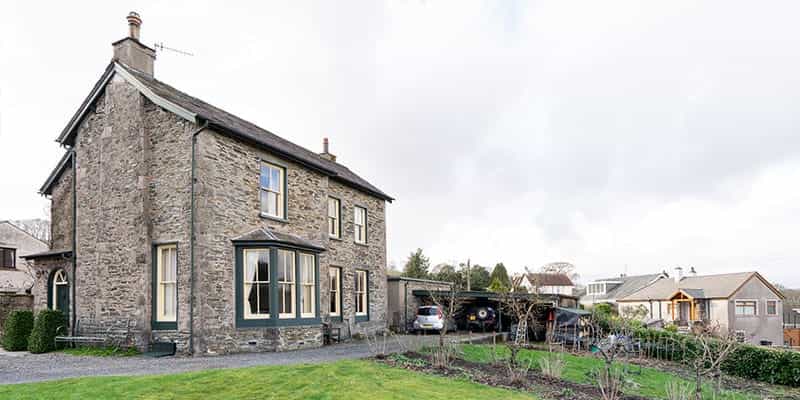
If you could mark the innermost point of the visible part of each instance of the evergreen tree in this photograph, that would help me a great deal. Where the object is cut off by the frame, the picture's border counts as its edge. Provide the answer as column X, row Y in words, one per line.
column 448, row 273
column 417, row 265
column 479, row 278
column 500, row 274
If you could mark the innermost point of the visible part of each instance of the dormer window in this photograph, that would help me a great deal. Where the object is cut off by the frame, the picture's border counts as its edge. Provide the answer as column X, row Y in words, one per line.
column 273, row 188
column 596, row 288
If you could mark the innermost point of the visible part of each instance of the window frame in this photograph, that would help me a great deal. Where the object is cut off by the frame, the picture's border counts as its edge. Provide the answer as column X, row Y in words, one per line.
column 292, row 314
column 766, row 308
column 338, row 295
column 364, row 315
column 303, row 282
column 3, row 252
column 282, row 195
column 274, row 318
column 736, row 307
column 246, row 314
column 337, row 221
column 156, row 323
column 363, row 226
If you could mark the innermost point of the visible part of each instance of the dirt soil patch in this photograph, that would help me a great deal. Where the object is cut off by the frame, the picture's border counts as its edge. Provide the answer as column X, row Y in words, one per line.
column 498, row 376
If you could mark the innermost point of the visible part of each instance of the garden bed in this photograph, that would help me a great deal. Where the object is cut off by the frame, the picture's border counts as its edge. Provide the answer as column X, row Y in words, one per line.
column 497, row 375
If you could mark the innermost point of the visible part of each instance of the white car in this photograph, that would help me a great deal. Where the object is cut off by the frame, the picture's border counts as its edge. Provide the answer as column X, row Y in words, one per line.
column 431, row 318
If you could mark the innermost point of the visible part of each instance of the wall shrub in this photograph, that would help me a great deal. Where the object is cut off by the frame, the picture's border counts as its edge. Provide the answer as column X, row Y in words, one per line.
column 17, row 328
column 45, row 329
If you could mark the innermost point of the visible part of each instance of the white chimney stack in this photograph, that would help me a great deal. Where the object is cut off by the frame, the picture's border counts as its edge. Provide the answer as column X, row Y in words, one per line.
column 692, row 272
column 678, row 274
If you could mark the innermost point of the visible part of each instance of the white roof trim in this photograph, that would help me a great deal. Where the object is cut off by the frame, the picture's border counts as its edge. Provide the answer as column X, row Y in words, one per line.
column 160, row 101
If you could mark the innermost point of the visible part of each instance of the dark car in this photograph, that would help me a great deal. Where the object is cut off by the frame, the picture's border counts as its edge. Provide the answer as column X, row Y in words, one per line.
column 481, row 318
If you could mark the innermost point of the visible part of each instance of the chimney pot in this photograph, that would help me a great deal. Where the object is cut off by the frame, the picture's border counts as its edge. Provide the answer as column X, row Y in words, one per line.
column 134, row 24
column 326, row 154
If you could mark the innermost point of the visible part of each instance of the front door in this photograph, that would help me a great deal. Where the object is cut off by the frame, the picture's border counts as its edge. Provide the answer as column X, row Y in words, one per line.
column 684, row 311
column 59, row 292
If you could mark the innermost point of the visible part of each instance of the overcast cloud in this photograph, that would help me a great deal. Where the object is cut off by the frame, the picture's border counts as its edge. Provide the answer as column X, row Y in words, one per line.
column 620, row 136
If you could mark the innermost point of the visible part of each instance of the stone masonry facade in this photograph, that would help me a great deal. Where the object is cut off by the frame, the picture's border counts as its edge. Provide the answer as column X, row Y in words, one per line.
column 134, row 191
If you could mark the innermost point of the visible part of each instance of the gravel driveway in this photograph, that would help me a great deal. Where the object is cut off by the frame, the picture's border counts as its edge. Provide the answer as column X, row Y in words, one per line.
column 22, row 367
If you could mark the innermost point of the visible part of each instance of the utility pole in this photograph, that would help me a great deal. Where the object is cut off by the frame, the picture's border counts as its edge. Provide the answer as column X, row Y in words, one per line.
column 469, row 277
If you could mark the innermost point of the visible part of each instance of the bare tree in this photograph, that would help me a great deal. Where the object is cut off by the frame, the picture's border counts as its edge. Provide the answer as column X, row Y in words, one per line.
column 38, row 228
column 449, row 305
column 522, row 307
column 707, row 350
column 611, row 344
column 561, row 267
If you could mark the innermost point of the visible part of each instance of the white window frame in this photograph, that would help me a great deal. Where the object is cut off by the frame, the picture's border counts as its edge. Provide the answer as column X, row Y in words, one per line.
column 363, row 281
column 60, row 278
column 335, row 220
column 736, row 306
column 162, row 283
column 288, row 258
column 247, row 284
column 766, row 308
column 360, row 227
column 280, row 206
column 307, row 265
column 335, row 274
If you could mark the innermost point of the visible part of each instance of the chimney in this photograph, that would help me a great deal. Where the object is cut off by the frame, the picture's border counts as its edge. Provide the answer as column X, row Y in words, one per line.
column 692, row 272
column 325, row 153
column 131, row 52
column 678, row 274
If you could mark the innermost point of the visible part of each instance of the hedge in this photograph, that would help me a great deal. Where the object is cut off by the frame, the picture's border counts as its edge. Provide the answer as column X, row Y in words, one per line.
column 763, row 364
column 17, row 328
column 44, row 331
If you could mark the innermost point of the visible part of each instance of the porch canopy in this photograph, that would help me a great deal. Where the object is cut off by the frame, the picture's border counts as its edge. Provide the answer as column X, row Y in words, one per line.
column 689, row 296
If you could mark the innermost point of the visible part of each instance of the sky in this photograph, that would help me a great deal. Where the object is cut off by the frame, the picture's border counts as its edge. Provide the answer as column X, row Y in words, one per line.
column 623, row 137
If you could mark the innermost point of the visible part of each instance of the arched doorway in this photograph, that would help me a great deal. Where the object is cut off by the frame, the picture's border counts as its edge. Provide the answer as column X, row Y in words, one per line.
column 59, row 292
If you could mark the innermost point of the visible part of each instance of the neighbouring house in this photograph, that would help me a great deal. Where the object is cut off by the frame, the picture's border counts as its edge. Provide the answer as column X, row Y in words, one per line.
column 607, row 291
column 199, row 228
column 548, row 283
column 402, row 304
column 743, row 303
column 15, row 242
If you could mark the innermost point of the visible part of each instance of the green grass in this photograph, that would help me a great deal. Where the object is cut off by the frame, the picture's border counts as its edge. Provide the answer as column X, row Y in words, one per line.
column 101, row 351
column 352, row 379
column 650, row 383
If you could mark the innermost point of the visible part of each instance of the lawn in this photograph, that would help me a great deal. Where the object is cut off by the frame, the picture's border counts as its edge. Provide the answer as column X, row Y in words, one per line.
column 649, row 383
column 352, row 379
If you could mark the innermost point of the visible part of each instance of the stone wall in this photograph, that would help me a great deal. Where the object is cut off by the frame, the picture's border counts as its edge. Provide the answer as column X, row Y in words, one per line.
column 228, row 205
column 12, row 302
column 42, row 269
column 61, row 211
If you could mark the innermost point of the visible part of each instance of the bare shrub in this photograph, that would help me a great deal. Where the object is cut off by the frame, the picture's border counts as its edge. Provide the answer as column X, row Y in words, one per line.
column 677, row 391
column 442, row 356
column 552, row 365
column 379, row 343
column 610, row 382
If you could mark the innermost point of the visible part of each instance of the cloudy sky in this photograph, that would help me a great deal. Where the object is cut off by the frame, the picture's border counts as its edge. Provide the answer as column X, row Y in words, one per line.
column 619, row 136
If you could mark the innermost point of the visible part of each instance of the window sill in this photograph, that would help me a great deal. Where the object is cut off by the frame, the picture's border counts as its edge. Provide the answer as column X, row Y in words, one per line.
column 360, row 244
column 272, row 218
column 362, row 318
column 265, row 323
column 164, row 326
column 336, row 238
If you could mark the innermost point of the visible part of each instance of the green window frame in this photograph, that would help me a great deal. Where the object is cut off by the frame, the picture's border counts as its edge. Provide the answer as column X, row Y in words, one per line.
column 334, row 218
column 158, row 322
column 275, row 318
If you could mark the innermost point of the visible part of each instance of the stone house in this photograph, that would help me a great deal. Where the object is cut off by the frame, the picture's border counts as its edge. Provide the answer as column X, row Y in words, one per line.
column 743, row 303
column 201, row 228
column 16, row 242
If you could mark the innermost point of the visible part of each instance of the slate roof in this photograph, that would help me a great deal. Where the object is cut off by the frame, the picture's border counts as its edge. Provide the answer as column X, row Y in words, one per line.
column 629, row 285
column 227, row 123
column 550, row 279
column 268, row 236
column 48, row 253
column 703, row 287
